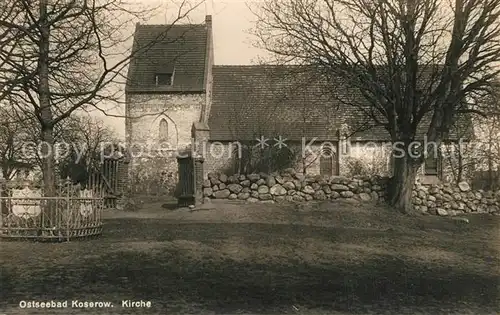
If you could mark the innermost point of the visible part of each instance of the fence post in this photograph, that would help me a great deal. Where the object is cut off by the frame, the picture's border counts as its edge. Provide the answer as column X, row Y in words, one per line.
column 69, row 187
column 198, row 180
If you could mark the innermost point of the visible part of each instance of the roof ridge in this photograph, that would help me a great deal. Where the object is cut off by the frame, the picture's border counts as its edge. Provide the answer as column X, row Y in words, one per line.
column 171, row 25
column 254, row 66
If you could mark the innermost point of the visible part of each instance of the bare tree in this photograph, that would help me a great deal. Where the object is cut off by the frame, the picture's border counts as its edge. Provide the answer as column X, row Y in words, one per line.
column 487, row 154
column 86, row 141
column 13, row 134
column 66, row 56
column 413, row 62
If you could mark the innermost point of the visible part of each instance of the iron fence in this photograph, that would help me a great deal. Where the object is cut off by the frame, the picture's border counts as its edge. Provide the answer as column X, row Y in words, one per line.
column 27, row 213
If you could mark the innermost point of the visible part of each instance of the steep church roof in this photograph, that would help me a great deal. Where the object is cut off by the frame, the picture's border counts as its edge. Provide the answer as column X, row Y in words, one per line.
column 254, row 101
column 293, row 102
column 178, row 49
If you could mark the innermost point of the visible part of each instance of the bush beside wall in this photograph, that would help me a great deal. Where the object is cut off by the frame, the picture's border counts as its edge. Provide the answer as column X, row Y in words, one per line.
column 290, row 186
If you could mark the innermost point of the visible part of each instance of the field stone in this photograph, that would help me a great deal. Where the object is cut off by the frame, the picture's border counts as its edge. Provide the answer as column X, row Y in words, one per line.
column 207, row 184
column 214, row 181
column 441, row 212
column 222, row 186
column 299, row 177
column 327, row 190
column 243, row 195
column 297, row 183
column 434, row 190
column 308, row 189
column 222, row 194
column 265, row 197
column 234, row 188
column 347, row 194
column 245, row 183
column 279, row 199
column 448, row 190
column 253, row 177
column 376, row 187
column 263, row 189
column 289, row 185
column 422, row 195
column 288, row 171
column 364, row 197
column 261, row 182
column 277, row 190
column 279, row 180
column 223, row 178
column 232, row 197
column 463, row 186
column 320, row 195
column 254, row 186
column 207, row 192
column 339, row 187
column 252, row 200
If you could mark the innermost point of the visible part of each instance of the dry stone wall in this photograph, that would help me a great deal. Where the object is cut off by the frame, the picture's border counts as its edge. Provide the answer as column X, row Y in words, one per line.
column 446, row 199
column 290, row 186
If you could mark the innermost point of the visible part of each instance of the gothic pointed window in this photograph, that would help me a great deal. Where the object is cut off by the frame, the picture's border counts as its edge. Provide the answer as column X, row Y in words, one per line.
column 163, row 130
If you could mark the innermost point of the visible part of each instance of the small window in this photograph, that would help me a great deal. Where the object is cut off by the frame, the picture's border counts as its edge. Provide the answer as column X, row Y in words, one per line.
column 163, row 130
column 163, row 79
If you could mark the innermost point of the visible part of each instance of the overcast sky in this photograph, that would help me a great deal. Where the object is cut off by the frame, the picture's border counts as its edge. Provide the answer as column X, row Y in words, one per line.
column 231, row 22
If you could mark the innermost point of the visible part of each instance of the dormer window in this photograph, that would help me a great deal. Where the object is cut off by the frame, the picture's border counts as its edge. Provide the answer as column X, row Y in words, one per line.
column 164, row 75
column 162, row 79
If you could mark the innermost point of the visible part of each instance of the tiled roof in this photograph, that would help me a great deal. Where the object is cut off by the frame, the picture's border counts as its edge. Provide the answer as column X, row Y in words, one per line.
column 179, row 47
column 272, row 101
column 254, row 101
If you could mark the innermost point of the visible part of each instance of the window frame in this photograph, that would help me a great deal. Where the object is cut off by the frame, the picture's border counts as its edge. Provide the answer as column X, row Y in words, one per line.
column 170, row 77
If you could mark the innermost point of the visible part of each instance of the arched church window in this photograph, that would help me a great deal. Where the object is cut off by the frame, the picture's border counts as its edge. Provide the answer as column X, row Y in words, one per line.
column 328, row 165
column 163, row 130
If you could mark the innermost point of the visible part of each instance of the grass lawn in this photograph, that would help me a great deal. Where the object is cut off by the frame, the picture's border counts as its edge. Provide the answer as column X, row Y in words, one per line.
column 329, row 258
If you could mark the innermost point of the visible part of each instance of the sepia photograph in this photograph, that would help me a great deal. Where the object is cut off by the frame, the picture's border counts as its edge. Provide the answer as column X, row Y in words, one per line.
column 300, row 157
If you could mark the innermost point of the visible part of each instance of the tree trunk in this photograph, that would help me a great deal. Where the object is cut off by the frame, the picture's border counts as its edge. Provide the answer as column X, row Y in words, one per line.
column 47, row 128
column 50, row 217
column 48, row 164
column 401, row 185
